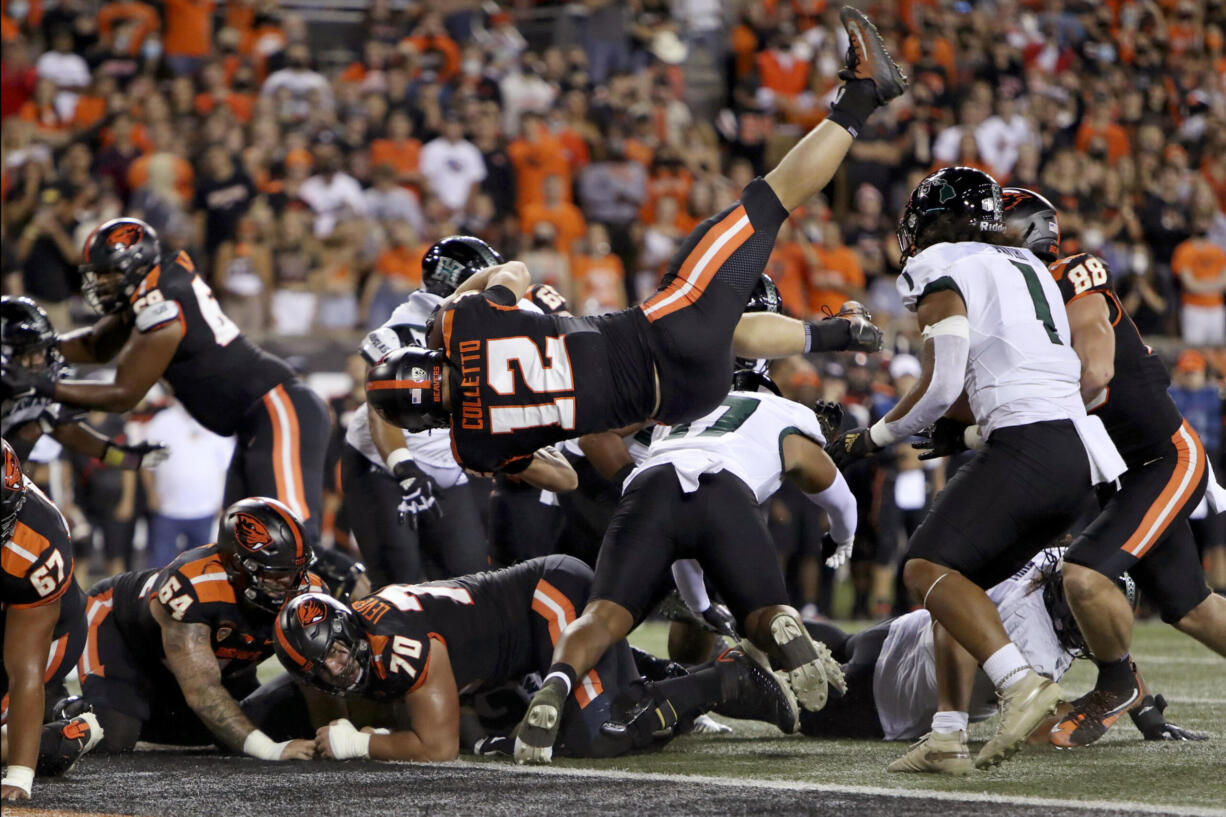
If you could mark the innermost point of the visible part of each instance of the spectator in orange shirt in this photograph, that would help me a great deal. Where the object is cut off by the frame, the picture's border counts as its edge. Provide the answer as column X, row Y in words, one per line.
column 399, row 150
column 183, row 177
column 189, row 34
column 788, row 266
column 669, row 178
column 1098, row 129
column 780, row 70
column 838, row 275
column 397, row 272
column 1201, row 268
column 535, row 155
column 141, row 19
column 216, row 92
column 598, row 277
column 566, row 218
column 439, row 56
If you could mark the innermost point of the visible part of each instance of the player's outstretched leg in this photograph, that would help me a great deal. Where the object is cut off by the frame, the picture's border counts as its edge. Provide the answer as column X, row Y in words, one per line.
column 809, row 667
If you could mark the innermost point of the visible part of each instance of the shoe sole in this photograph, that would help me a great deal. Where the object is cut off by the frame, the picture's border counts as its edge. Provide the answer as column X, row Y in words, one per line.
column 1050, row 697
column 759, row 658
column 863, row 30
column 545, row 719
column 955, row 767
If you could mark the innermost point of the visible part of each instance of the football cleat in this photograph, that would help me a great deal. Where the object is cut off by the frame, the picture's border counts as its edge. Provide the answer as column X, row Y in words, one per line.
column 64, row 742
column 936, row 753
column 808, row 665
column 761, row 694
column 536, row 733
column 1093, row 714
column 1023, row 706
column 867, row 57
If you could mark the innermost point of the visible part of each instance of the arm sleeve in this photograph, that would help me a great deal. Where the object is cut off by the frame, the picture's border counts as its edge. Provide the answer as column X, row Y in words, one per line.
column 840, row 506
column 951, row 342
column 687, row 574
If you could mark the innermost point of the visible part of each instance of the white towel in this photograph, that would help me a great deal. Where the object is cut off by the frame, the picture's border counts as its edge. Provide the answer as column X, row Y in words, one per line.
column 1106, row 464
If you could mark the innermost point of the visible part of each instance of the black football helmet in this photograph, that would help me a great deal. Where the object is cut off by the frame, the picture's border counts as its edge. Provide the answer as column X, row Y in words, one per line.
column 453, row 260
column 118, row 255
column 14, row 495
column 1068, row 633
column 965, row 201
column 406, row 388
column 26, row 331
column 1031, row 221
column 764, row 298
column 308, row 629
column 265, row 551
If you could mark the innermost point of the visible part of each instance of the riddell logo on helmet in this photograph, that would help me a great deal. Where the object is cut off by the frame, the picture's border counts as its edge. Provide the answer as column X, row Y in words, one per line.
column 251, row 533
column 125, row 236
column 311, row 612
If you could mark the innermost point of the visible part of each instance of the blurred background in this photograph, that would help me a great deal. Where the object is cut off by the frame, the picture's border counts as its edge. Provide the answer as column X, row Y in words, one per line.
column 306, row 153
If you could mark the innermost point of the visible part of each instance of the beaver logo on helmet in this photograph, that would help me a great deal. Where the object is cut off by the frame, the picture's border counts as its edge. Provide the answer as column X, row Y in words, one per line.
column 310, row 612
column 251, row 533
column 125, row 236
column 12, row 472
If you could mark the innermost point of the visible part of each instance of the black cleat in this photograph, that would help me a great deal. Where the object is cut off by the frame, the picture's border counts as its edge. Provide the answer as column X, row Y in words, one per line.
column 867, row 57
column 64, row 742
column 761, row 695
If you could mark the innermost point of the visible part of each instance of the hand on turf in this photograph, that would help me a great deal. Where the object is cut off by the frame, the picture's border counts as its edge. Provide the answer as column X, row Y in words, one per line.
column 299, row 749
column 340, row 740
column 13, row 793
column 1151, row 722
column 850, row 446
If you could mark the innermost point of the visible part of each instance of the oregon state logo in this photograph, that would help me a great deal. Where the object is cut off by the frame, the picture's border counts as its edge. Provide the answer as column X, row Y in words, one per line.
column 310, row 612
column 250, row 532
column 12, row 471
column 125, row 236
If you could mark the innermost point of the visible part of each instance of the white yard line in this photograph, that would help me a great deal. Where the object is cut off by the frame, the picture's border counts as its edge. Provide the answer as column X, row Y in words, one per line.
column 805, row 786
column 1198, row 660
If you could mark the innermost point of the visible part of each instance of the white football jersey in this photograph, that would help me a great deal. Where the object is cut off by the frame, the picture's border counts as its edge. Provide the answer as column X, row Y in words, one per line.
column 1022, row 367
column 904, row 678
column 743, row 435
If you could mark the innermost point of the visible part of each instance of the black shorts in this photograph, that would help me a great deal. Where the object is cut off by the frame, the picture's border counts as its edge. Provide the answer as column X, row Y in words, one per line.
column 1144, row 528
column 1008, row 503
column 700, row 300
column 854, row 714
column 719, row 524
column 281, row 445
column 450, row 544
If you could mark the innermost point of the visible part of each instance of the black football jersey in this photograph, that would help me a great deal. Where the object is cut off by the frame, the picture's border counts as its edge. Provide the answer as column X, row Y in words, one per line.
column 195, row 589
column 483, row 620
column 523, row 380
column 1138, row 412
column 216, row 372
column 36, row 563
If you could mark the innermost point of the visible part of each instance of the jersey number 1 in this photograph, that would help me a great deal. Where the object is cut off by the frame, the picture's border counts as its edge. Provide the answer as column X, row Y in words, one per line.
column 1042, row 309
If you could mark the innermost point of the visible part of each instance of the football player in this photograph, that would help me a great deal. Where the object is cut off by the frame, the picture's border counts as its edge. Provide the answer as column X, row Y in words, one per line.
column 28, row 341
column 162, row 320
column 696, row 496
column 509, row 382
column 42, row 626
column 994, row 325
column 891, row 668
column 428, row 644
column 171, row 652
column 1143, row 528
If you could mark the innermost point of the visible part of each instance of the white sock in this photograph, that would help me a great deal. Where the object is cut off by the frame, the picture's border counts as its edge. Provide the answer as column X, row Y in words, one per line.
column 1004, row 666
column 945, row 722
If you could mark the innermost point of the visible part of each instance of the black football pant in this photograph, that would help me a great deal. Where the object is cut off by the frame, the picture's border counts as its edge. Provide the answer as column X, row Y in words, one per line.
column 438, row 548
column 853, row 714
column 281, row 445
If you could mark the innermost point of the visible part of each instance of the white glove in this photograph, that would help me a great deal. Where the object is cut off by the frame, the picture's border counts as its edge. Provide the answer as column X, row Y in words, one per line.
column 842, row 552
column 346, row 742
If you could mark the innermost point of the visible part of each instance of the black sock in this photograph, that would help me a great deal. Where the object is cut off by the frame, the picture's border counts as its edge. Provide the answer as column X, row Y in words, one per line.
column 856, row 101
column 697, row 692
column 1116, row 676
column 564, row 669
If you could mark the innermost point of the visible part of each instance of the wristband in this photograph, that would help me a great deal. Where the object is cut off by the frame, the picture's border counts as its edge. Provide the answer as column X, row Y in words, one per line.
column 398, row 456
column 114, row 456
column 346, row 742
column 880, row 435
column 262, row 747
column 19, row 777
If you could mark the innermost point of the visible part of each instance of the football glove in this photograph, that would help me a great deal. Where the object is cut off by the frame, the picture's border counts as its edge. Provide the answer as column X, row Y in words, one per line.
column 829, row 417
column 416, row 493
column 836, row 553
column 944, row 438
column 850, row 447
column 865, row 336
column 1151, row 722
column 16, row 381
column 132, row 457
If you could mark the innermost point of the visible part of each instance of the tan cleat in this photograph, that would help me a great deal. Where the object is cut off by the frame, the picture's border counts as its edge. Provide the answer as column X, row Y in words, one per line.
column 1023, row 706
column 936, row 753
column 803, row 662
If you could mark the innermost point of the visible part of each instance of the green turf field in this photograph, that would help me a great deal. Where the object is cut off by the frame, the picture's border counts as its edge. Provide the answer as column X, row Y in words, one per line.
column 1121, row 767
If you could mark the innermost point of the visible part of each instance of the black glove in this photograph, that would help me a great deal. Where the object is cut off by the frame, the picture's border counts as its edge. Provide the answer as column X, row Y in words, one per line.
column 944, row 438
column 850, row 446
column 16, row 381
column 132, row 457
column 416, row 493
column 1153, row 725
column 829, row 417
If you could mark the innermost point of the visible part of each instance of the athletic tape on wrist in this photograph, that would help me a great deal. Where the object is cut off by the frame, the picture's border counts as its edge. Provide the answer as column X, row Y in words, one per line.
column 262, row 747
column 21, row 777
column 880, row 435
column 398, row 456
column 347, row 742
